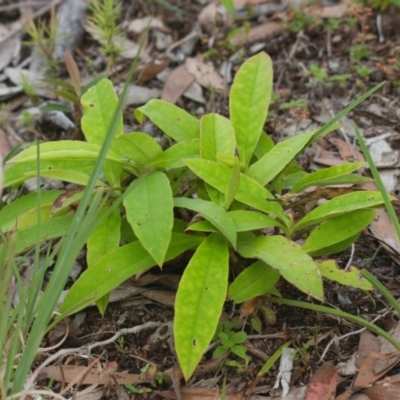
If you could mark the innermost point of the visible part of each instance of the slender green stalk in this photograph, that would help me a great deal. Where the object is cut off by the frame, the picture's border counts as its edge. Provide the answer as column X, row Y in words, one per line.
column 385, row 293
column 272, row 360
column 355, row 103
column 341, row 314
column 379, row 182
column 83, row 224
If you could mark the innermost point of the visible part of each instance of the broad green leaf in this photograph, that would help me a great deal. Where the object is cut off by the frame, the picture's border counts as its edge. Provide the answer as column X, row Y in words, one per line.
column 233, row 185
column 72, row 97
column 250, row 220
column 249, row 191
column 216, row 136
column 172, row 120
column 182, row 180
column 103, row 240
column 174, row 156
column 18, row 173
column 336, row 230
column 336, row 247
column 347, row 179
column 139, row 147
column 199, row 301
column 64, row 150
column 22, row 212
column 288, row 181
column 77, row 177
column 202, row 226
column 326, row 174
column 280, row 156
column 99, row 105
column 244, row 221
column 293, row 263
column 127, row 234
column 50, row 229
column 149, row 209
column 264, row 145
column 71, row 150
column 340, row 205
column 230, row 161
column 249, row 100
column 272, row 163
column 255, row 280
column 214, row 194
column 114, row 268
column 353, row 277
column 214, row 213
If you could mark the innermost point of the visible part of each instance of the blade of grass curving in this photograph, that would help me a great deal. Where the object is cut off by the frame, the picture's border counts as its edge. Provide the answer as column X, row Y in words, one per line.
column 73, row 242
column 341, row 314
column 272, row 360
column 384, row 292
column 379, row 182
column 335, row 119
column 33, row 289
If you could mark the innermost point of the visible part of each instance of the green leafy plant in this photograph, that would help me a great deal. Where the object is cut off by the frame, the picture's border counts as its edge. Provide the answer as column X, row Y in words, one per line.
column 364, row 72
column 150, row 375
column 300, row 21
column 104, row 27
column 24, row 324
column 360, row 51
column 320, row 75
column 211, row 191
column 231, row 341
column 43, row 36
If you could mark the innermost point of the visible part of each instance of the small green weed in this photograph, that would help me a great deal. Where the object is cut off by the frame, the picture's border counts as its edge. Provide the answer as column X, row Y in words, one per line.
column 232, row 341
column 43, row 37
column 320, row 76
column 300, row 21
column 244, row 183
column 103, row 24
column 364, row 72
column 360, row 52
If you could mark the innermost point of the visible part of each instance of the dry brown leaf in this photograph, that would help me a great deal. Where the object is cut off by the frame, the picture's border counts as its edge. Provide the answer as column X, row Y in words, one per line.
column 324, row 157
column 161, row 296
column 200, row 394
column 151, row 70
column 366, row 374
column 368, row 342
column 208, row 15
column 323, row 384
column 359, row 396
column 204, row 73
column 257, row 33
column 249, row 307
column 335, row 11
column 67, row 373
column 346, row 153
column 386, row 389
column 383, row 230
column 176, row 84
